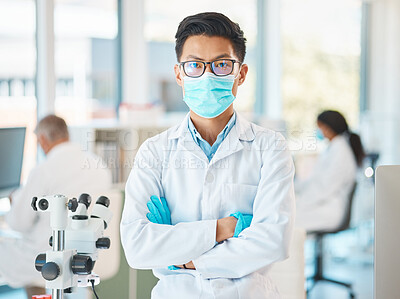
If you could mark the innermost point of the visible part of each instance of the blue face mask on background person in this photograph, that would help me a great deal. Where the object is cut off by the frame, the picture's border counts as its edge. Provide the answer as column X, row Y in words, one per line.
column 320, row 136
column 209, row 95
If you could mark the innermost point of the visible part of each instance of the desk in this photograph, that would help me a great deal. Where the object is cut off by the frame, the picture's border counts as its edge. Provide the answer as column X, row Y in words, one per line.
column 9, row 234
column 4, row 206
column 4, row 193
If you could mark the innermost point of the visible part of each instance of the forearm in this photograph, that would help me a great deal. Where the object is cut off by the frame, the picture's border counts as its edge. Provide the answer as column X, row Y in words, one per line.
column 256, row 248
column 148, row 245
column 224, row 230
column 267, row 239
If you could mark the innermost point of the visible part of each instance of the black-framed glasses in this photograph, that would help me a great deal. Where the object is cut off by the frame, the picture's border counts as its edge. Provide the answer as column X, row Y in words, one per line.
column 220, row 67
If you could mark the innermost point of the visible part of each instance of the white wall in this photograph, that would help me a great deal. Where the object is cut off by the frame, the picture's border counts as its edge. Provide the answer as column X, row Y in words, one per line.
column 134, row 58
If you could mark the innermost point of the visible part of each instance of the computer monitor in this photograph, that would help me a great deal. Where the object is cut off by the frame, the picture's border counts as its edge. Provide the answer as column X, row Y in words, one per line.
column 12, row 142
column 387, row 227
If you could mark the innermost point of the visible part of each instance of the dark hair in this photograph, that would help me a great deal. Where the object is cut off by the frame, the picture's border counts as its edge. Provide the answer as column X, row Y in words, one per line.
column 211, row 24
column 338, row 124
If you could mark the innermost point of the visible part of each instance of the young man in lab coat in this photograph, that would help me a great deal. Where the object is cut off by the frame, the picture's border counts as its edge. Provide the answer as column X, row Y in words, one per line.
column 202, row 182
column 66, row 170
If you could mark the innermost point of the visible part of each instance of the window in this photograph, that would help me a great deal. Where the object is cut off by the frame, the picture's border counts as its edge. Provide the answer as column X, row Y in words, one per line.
column 86, row 59
column 17, row 72
column 321, row 60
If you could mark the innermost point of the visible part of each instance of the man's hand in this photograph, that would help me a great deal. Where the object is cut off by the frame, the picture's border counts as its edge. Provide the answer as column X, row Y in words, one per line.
column 232, row 226
column 10, row 196
column 159, row 211
column 225, row 228
column 189, row 266
column 243, row 221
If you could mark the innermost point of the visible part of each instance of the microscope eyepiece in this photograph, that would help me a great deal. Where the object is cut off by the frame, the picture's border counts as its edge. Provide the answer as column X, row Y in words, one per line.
column 103, row 200
column 86, row 199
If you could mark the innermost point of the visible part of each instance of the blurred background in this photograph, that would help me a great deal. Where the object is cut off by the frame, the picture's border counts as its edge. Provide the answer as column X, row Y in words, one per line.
column 107, row 65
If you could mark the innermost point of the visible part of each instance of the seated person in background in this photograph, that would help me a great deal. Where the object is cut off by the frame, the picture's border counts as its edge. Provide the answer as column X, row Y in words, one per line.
column 67, row 170
column 321, row 198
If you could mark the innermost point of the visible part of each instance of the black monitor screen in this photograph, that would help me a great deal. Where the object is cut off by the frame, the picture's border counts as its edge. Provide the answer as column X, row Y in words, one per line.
column 12, row 142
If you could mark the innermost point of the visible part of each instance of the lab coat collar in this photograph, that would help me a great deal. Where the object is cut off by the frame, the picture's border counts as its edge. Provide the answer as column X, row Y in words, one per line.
column 185, row 139
column 182, row 129
column 241, row 132
column 59, row 149
column 231, row 144
column 243, row 129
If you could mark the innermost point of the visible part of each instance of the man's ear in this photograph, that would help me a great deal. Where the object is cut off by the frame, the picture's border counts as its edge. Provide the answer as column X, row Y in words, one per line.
column 44, row 144
column 178, row 76
column 243, row 73
column 41, row 139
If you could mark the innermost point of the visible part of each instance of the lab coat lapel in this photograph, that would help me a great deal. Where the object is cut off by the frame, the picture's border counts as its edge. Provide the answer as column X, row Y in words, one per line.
column 185, row 140
column 242, row 131
column 187, row 143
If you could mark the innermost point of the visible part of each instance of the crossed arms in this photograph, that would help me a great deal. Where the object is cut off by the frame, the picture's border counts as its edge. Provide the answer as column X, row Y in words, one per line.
column 207, row 245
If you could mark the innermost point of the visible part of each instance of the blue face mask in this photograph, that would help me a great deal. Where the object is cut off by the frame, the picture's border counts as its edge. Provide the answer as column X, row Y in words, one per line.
column 320, row 136
column 208, row 95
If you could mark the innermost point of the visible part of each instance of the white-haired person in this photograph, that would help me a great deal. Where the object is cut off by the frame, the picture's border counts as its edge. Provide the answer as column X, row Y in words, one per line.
column 67, row 170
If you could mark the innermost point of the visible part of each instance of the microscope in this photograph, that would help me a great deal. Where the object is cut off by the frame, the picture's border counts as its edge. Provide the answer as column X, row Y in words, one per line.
column 76, row 238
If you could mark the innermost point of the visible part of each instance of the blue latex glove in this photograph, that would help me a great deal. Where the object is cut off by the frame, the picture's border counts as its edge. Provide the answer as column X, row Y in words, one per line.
column 243, row 221
column 159, row 211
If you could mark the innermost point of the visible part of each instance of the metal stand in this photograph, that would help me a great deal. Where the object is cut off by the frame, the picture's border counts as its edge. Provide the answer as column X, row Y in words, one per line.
column 58, row 245
column 57, row 294
column 319, row 275
column 74, row 247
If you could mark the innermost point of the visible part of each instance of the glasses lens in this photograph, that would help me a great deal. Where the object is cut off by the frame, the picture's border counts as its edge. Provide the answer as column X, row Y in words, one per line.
column 193, row 68
column 222, row 67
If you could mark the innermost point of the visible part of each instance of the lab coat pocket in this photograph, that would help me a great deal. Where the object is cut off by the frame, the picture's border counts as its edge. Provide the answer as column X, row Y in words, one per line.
column 257, row 286
column 238, row 198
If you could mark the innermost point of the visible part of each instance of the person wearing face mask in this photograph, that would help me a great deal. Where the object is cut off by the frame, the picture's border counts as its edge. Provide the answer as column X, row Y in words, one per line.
column 210, row 202
column 321, row 198
column 67, row 170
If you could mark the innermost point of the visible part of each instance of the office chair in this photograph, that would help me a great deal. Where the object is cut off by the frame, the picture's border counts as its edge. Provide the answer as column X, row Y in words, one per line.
column 319, row 235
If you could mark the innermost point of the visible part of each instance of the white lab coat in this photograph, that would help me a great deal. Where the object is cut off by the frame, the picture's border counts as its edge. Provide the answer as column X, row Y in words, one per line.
column 251, row 172
column 321, row 198
column 67, row 170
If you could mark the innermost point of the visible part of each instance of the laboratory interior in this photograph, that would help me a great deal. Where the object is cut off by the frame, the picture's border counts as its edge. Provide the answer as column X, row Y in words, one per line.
column 85, row 83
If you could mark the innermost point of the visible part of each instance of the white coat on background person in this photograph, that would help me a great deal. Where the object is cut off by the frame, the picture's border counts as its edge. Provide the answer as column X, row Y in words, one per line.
column 252, row 172
column 67, row 170
column 321, row 199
